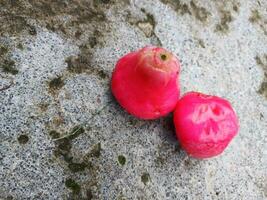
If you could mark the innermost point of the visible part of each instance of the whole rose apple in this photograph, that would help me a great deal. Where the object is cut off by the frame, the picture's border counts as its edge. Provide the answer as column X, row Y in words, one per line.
column 146, row 82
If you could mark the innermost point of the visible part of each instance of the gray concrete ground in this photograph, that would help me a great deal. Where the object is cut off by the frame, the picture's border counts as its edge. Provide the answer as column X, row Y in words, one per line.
column 63, row 136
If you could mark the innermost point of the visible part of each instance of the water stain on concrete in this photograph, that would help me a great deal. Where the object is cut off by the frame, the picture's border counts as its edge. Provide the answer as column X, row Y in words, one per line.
column 200, row 13
column 56, row 84
column 73, row 185
column 82, row 64
column 15, row 15
column 147, row 25
column 180, row 8
column 225, row 20
column 7, row 65
column 258, row 20
column 262, row 62
column 63, row 150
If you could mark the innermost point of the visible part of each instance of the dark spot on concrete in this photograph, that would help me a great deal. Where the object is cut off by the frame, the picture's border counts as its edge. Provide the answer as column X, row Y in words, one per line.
column 9, row 197
column 187, row 163
column 32, row 30
column 43, row 106
column 201, row 43
column 6, row 63
column 180, row 8
column 190, row 164
column 23, row 139
column 56, row 83
column 77, row 167
column 226, row 18
column 73, row 185
column 184, row 9
column 121, row 160
column 8, row 67
column 57, row 120
column 200, row 13
column 121, row 197
column 133, row 121
column 82, row 64
column 54, row 134
column 255, row 16
column 145, row 178
column 78, row 34
column 78, row 64
column 89, row 194
column 166, row 150
column 257, row 19
column 96, row 150
column 20, row 46
column 102, row 74
column 262, row 62
column 64, row 146
column 102, row 1
column 92, row 41
column 12, row 24
column 63, row 149
column 160, row 160
column 76, row 132
column 265, row 189
column 92, row 161
column 236, row 7
column 3, row 50
column 259, row 61
column 263, row 88
column 14, row 16
column 147, row 26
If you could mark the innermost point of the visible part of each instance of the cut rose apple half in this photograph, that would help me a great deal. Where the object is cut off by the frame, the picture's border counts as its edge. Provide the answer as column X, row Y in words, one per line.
column 204, row 124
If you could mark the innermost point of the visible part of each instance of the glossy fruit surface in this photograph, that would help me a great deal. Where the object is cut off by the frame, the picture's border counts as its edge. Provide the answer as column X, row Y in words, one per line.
column 146, row 82
column 204, row 124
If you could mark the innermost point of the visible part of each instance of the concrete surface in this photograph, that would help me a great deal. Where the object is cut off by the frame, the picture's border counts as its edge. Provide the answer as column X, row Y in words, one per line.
column 63, row 136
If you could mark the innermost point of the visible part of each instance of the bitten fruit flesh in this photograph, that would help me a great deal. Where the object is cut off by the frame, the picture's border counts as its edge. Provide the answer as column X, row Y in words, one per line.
column 204, row 124
column 146, row 82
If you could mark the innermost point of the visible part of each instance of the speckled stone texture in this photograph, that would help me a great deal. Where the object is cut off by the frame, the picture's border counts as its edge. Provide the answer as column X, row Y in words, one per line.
column 63, row 136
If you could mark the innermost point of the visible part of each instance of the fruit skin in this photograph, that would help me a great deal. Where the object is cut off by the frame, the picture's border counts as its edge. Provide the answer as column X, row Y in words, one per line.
column 204, row 124
column 146, row 82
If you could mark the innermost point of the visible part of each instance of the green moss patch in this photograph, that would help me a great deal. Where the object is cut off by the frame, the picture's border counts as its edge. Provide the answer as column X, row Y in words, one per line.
column 23, row 139
column 77, row 167
column 73, row 185
column 226, row 18
column 56, row 83
column 96, row 150
column 262, row 62
column 145, row 178
column 255, row 16
column 121, row 160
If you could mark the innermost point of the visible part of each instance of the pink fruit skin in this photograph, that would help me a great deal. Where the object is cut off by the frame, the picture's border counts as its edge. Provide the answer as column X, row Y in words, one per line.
column 146, row 82
column 204, row 124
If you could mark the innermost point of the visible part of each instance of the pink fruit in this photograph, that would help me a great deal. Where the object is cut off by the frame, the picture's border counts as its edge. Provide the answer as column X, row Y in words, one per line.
column 146, row 82
column 204, row 124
